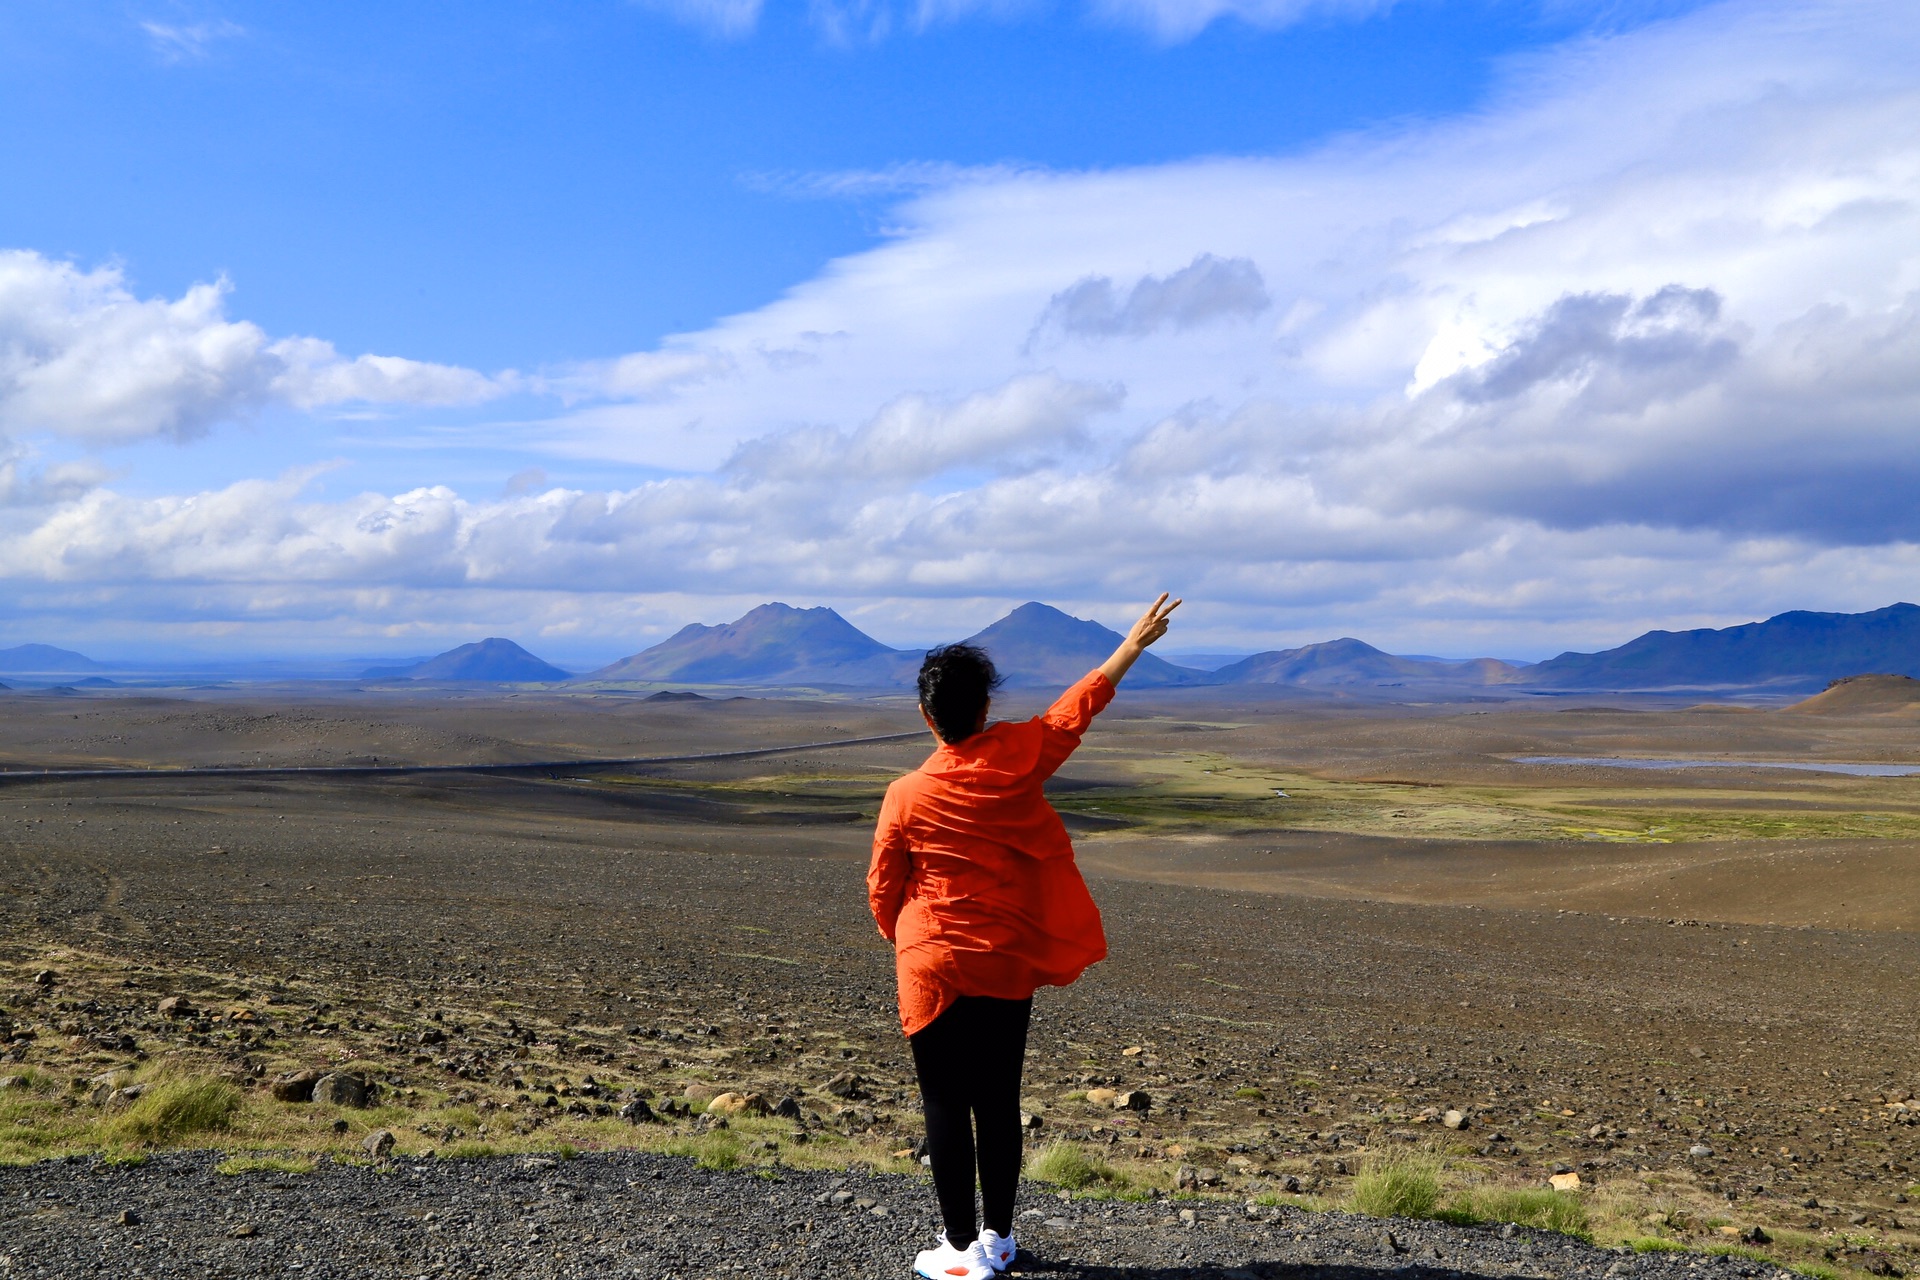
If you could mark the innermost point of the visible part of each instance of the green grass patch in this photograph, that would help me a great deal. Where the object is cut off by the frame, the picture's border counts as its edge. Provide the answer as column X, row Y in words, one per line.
column 1528, row 1207
column 1065, row 1164
column 719, row 1150
column 1814, row 1270
column 177, row 1109
column 1655, row 1244
column 265, row 1163
column 1250, row 1095
column 1397, row 1185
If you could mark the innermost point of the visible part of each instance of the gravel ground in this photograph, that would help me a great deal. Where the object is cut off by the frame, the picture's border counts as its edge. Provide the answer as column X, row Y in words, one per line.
column 630, row 1214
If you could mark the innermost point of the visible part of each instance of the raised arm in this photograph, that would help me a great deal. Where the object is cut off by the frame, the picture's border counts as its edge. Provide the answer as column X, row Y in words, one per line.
column 1152, row 625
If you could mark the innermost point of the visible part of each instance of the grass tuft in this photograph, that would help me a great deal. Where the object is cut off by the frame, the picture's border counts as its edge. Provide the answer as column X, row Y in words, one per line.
column 1397, row 1185
column 1065, row 1165
column 1655, row 1244
column 1541, row 1210
column 258, row 1163
column 177, row 1109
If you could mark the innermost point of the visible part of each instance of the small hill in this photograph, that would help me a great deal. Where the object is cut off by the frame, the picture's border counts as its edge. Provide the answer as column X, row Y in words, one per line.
column 1346, row 662
column 676, row 695
column 1798, row 650
column 1038, row 644
column 32, row 659
column 774, row 644
column 490, row 661
column 1862, row 696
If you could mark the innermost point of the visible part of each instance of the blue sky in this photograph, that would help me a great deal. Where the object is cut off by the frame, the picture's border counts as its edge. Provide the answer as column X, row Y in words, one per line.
column 367, row 327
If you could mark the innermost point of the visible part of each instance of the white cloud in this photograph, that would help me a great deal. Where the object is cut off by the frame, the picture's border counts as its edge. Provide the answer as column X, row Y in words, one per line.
column 728, row 18
column 82, row 356
column 189, row 42
column 1183, row 19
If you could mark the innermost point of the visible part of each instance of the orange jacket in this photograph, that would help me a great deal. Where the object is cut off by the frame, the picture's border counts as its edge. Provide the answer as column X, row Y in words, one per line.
column 973, row 879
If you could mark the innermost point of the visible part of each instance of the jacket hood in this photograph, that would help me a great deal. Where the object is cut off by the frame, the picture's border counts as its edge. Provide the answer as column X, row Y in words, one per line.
column 999, row 755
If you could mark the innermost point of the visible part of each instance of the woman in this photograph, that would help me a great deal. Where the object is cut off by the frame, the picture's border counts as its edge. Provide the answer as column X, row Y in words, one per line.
column 973, row 882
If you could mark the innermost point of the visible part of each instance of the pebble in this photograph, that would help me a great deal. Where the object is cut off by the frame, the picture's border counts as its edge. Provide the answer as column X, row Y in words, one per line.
column 1699, row 1150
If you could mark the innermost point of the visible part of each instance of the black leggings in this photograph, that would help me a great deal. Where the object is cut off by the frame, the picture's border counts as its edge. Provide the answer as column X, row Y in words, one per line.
column 969, row 1060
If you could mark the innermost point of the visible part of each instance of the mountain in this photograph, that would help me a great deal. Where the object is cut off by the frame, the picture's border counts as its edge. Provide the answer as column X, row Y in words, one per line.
column 774, row 644
column 37, row 658
column 491, row 661
column 1038, row 644
column 1347, row 661
column 1798, row 650
column 1862, row 696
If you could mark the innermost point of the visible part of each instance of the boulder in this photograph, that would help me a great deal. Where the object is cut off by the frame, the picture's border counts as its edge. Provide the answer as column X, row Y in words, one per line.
column 637, row 1111
column 1564, row 1182
column 176, row 1007
column 343, row 1089
column 847, row 1085
column 378, row 1144
column 295, row 1086
column 1455, row 1119
column 1133, row 1100
column 735, row 1104
column 1102, row 1097
column 787, row 1109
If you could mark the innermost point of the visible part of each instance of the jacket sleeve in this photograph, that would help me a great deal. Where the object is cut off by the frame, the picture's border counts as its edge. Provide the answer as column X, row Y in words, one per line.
column 887, row 873
column 1067, row 719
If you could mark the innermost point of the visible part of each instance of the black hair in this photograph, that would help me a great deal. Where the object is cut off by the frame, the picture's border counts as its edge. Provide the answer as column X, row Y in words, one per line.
column 955, row 682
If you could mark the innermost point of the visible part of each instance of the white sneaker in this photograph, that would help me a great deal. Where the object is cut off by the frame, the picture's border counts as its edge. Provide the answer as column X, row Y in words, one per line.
column 948, row 1263
column 1000, row 1249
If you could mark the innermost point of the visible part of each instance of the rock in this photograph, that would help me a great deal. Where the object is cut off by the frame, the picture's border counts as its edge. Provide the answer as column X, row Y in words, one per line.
column 341, row 1126
column 1455, row 1119
column 1598, row 1131
column 125, row 1097
column 13, row 1082
column 129, row 1218
column 295, row 1086
column 245, row 1231
column 637, row 1111
column 1699, row 1150
column 1878, row 1264
column 1030, row 1121
column 176, row 1007
column 343, row 1089
column 734, row 1104
column 1186, row 1178
column 847, row 1085
column 697, row 1092
column 46, row 978
column 1389, row 1243
column 710, row 1121
column 1102, row 1097
column 1564, row 1182
column 1188, row 1218
column 378, row 1144
column 1757, row 1235
column 1857, row 1220
column 1508, row 1231
column 1208, row 1177
column 1133, row 1100
column 1290, row 1184
column 787, row 1109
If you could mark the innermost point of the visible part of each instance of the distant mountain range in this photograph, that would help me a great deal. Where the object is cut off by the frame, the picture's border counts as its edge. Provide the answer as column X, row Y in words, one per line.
column 44, row 659
column 490, row 661
column 1791, row 651
column 777, row 645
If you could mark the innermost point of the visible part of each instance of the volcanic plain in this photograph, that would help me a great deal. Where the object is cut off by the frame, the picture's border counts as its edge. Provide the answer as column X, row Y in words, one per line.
column 1345, row 936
